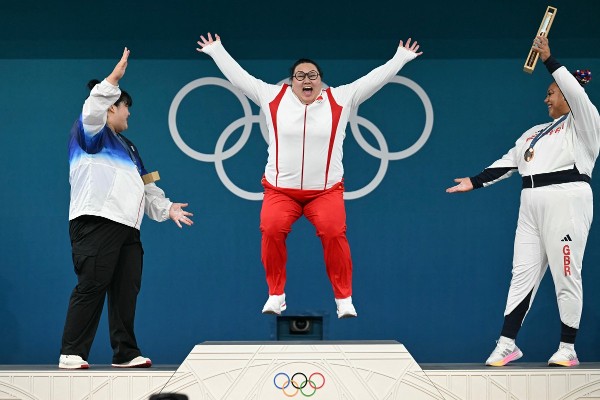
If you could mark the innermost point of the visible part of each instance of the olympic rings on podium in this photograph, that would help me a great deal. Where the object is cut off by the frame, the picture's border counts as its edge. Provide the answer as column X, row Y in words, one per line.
column 298, row 386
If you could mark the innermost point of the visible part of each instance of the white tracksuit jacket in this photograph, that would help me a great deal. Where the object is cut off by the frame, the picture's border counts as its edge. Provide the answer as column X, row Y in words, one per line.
column 305, row 141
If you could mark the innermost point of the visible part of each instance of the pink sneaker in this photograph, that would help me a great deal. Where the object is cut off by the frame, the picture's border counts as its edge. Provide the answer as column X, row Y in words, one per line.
column 506, row 351
column 565, row 356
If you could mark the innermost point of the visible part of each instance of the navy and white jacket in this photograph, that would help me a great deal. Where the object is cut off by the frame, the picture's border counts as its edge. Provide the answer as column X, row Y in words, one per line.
column 567, row 153
column 105, row 168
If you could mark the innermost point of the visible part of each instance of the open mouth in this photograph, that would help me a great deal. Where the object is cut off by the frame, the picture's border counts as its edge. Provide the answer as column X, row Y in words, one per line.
column 307, row 90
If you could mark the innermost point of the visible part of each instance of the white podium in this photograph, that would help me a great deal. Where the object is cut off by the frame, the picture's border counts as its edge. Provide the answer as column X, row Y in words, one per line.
column 320, row 370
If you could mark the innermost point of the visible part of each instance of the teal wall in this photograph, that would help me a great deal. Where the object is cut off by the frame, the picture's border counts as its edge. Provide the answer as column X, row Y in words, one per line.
column 431, row 270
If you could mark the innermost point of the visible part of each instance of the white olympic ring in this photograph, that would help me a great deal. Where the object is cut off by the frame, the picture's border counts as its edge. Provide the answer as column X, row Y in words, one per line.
column 249, row 119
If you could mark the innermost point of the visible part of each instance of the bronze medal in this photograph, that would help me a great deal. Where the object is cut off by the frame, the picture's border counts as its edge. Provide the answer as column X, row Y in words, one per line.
column 529, row 154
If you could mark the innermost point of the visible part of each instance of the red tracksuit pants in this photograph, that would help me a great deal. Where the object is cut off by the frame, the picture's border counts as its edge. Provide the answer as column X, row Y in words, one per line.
column 325, row 210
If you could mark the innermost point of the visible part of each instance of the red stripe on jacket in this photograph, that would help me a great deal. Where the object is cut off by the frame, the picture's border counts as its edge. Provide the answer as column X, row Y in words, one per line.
column 336, row 113
column 273, row 107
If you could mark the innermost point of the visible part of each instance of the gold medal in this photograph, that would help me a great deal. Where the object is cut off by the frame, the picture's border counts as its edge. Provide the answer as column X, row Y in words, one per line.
column 529, row 154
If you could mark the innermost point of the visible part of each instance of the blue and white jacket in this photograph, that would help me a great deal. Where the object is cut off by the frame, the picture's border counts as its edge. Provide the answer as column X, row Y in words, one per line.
column 105, row 168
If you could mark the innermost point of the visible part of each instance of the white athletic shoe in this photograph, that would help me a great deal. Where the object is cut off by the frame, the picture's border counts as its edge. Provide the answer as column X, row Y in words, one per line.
column 506, row 351
column 345, row 309
column 72, row 362
column 138, row 362
column 275, row 305
column 564, row 357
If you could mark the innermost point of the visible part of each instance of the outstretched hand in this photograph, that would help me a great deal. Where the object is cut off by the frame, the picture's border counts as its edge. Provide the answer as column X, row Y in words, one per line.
column 120, row 68
column 203, row 42
column 464, row 185
column 178, row 215
column 411, row 47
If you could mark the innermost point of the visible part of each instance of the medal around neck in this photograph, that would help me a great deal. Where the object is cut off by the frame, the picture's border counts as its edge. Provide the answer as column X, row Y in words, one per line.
column 528, row 154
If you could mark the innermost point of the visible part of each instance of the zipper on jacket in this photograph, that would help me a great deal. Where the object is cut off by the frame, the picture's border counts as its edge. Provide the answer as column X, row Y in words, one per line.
column 303, row 147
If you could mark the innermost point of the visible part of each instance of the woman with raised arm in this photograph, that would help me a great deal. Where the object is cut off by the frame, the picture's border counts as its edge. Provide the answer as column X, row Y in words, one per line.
column 108, row 201
column 555, row 161
column 304, row 171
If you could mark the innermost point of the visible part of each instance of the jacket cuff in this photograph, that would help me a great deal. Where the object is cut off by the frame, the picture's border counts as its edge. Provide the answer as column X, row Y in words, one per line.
column 552, row 64
column 476, row 182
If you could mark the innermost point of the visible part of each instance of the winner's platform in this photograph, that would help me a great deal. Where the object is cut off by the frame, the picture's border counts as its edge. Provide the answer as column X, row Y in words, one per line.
column 320, row 370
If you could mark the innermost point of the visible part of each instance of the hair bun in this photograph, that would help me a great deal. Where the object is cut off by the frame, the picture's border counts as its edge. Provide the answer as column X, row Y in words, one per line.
column 583, row 76
column 92, row 83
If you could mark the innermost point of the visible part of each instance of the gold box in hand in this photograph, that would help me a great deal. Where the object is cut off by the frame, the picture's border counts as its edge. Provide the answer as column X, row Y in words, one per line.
column 533, row 56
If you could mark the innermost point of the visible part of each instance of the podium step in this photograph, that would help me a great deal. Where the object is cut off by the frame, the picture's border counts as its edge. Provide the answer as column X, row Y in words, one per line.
column 322, row 370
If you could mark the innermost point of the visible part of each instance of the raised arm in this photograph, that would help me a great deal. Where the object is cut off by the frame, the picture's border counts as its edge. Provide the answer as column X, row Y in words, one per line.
column 363, row 88
column 578, row 100
column 119, row 71
column 102, row 96
column 252, row 87
column 584, row 112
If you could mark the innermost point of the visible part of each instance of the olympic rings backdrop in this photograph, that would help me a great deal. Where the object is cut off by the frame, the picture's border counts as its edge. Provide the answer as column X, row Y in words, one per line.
column 431, row 270
column 382, row 152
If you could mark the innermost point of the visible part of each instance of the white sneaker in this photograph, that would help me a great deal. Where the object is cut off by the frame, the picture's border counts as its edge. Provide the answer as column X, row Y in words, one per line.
column 72, row 362
column 275, row 305
column 345, row 309
column 138, row 362
column 506, row 351
column 564, row 357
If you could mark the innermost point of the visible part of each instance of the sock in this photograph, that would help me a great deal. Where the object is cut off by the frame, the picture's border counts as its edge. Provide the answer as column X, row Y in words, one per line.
column 567, row 334
column 569, row 346
column 507, row 341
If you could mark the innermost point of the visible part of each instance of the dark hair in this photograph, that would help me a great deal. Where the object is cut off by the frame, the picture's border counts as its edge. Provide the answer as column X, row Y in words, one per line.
column 124, row 98
column 305, row 61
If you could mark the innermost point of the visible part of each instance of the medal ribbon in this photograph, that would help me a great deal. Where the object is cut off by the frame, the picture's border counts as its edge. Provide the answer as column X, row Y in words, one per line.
column 130, row 152
column 545, row 131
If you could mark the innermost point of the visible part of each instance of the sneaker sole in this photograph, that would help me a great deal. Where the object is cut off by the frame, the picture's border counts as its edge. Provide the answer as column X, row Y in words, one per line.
column 64, row 366
column 572, row 363
column 511, row 357
column 143, row 365
column 270, row 312
column 347, row 315
column 273, row 312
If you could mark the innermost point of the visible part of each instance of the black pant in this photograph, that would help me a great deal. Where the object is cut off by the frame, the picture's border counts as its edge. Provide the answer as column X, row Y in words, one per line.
column 108, row 260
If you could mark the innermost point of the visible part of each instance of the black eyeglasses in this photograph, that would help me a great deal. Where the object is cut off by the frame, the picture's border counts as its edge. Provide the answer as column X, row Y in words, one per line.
column 312, row 75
